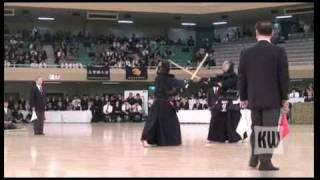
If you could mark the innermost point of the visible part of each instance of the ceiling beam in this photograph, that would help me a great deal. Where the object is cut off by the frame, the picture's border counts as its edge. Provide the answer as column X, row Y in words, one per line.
column 172, row 8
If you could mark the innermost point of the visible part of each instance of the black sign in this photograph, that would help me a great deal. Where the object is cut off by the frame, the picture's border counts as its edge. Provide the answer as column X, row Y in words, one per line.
column 136, row 73
column 98, row 73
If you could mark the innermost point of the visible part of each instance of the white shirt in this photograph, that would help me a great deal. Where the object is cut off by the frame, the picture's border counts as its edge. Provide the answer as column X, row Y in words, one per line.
column 125, row 107
column 215, row 89
column 294, row 95
column 5, row 110
column 264, row 39
column 107, row 108
column 150, row 102
column 39, row 87
column 137, row 108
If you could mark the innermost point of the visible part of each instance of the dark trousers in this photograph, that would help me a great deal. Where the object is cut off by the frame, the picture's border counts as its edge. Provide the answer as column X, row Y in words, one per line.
column 38, row 123
column 267, row 118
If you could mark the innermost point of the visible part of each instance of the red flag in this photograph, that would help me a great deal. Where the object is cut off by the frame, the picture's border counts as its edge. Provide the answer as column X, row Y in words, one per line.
column 284, row 126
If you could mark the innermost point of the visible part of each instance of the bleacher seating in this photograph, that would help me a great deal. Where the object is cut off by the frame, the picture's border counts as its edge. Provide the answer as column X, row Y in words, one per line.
column 299, row 47
column 298, row 50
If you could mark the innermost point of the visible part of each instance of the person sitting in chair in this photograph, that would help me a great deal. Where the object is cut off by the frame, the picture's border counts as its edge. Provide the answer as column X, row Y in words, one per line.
column 8, row 118
column 117, row 112
column 108, row 110
column 126, row 110
column 197, row 105
column 136, row 112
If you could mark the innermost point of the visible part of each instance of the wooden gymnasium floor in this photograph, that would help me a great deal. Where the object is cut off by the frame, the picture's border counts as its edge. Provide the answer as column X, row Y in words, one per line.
column 114, row 149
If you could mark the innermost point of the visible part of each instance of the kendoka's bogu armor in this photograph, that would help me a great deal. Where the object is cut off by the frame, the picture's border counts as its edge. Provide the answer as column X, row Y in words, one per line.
column 225, row 110
column 162, row 126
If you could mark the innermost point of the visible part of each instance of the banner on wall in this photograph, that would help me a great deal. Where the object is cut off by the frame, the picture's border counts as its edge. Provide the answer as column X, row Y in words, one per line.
column 98, row 73
column 144, row 96
column 136, row 73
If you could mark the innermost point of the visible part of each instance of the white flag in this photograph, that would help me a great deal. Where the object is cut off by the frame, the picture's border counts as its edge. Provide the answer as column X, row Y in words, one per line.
column 245, row 122
column 34, row 116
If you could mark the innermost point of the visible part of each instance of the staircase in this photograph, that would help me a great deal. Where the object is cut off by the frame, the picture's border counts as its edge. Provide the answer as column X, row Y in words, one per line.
column 50, row 53
column 83, row 56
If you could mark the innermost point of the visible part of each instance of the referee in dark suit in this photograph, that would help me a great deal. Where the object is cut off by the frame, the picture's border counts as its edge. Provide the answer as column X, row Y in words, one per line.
column 38, row 104
column 263, row 81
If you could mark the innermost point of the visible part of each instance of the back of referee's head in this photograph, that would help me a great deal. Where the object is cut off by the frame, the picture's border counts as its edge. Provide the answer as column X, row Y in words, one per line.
column 264, row 28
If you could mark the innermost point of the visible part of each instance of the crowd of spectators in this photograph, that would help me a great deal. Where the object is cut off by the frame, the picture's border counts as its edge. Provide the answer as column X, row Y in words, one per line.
column 128, row 51
column 66, row 46
column 21, row 48
column 200, row 54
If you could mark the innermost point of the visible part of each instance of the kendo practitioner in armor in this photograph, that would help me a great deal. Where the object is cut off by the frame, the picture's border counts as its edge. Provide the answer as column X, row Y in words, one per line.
column 222, row 98
column 162, row 127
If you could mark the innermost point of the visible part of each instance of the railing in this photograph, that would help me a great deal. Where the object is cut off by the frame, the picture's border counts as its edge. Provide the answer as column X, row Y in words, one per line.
column 58, row 66
column 149, row 67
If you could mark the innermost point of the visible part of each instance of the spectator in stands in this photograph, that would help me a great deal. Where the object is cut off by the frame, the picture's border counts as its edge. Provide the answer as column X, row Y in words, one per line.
column 309, row 93
column 211, row 61
column 199, row 56
column 7, row 62
column 179, row 42
column 168, row 54
column 294, row 94
column 190, row 41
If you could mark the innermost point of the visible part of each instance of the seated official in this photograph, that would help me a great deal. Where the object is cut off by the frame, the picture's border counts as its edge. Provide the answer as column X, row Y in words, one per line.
column 107, row 110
